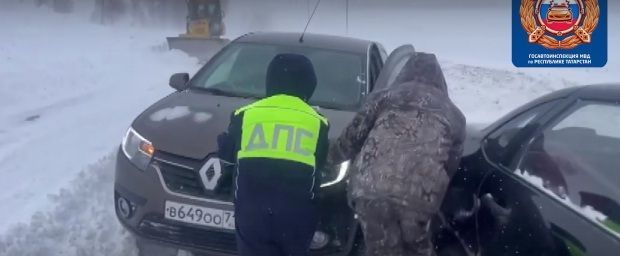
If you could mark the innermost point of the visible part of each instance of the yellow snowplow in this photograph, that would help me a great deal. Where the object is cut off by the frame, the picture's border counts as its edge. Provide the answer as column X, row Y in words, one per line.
column 204, row 29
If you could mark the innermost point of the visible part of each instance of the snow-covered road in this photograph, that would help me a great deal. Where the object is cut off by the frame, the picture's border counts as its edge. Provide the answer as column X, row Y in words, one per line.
column 69, row 89
column 67, row 95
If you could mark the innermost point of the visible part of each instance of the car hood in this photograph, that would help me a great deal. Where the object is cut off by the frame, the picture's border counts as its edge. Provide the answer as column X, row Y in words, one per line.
column 188, row 123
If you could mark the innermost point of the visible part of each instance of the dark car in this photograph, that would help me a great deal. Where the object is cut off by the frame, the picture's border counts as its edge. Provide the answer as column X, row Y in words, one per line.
column 173, row 192
column 543, row 180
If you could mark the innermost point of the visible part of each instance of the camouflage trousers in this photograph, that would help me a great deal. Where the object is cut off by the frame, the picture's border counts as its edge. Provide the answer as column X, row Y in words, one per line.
column 393, row 230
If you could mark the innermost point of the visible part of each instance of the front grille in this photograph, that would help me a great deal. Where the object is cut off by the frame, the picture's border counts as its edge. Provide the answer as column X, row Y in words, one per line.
column 180, row 175
column 181, row 180
column 185, row 235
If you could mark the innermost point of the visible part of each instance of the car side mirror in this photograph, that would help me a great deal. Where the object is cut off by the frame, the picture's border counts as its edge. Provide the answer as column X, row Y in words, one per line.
column 179, row 81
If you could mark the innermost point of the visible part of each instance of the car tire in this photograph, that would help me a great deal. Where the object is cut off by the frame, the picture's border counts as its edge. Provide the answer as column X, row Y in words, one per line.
column 147, row 248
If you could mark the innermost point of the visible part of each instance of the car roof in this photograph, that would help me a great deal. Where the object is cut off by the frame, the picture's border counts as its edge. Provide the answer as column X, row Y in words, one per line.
column 331, row 42
column 608, row 92
column 601, row 92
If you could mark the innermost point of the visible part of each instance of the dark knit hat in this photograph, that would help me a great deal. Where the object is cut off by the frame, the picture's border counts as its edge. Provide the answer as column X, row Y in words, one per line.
column 291, row 74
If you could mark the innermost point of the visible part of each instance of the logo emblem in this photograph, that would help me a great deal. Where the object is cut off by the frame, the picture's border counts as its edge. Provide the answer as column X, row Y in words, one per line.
column 560, row 24
column 560, row 33
column 210, row 173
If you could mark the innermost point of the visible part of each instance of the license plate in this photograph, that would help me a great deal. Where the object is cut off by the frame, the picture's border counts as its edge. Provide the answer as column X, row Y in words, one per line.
column 203, row 216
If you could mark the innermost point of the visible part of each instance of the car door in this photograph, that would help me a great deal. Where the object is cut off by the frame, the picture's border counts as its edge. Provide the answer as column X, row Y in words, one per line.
column 392, row 66
column 559, row 192
column 455, row 228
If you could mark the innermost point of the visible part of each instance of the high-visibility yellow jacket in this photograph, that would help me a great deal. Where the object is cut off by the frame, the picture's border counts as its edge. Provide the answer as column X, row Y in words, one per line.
column 278, row 143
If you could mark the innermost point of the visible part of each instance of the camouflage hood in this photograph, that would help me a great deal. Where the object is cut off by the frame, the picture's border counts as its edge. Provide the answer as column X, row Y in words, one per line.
column 422, row 69
column 406, row 141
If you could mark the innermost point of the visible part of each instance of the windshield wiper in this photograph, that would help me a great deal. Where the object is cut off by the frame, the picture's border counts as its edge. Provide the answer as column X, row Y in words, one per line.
column 218, row 92
column 319, row 106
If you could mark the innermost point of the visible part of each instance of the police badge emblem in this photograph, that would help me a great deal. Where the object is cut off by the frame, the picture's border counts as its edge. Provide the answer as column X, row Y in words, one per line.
column 560, row 33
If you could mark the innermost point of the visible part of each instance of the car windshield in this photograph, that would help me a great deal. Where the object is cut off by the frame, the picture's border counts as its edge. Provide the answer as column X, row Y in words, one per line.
column 240, row 70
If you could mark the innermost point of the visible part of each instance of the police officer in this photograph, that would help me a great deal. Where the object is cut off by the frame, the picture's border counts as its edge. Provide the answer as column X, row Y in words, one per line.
column 278, row 144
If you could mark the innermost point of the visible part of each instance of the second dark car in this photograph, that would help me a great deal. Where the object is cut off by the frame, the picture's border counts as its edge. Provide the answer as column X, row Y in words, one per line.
column 543, row 180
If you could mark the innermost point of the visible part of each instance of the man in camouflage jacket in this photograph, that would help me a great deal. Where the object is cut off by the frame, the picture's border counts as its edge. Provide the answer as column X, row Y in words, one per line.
column 405, row 144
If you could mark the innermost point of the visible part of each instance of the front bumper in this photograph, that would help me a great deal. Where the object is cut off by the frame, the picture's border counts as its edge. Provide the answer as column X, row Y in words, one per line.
column 147, row 194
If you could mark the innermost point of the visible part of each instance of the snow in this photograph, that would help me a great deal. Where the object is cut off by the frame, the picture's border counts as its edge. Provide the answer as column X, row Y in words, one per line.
column 588, row 211
column 67, row 95
column 69, row 89
column 81, row 221
column 202, row 117
column 169, row 114
column 484, row 94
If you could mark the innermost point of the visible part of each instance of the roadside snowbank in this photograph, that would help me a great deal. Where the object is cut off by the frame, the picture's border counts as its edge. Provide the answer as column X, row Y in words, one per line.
column 81, row 221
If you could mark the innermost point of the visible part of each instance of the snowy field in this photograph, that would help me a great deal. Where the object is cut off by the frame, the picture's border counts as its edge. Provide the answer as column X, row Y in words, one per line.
column 68, row 92
column 70, row 88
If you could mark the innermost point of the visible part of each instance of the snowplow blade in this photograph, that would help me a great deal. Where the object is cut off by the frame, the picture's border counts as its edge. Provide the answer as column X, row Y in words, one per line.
column 201, row 48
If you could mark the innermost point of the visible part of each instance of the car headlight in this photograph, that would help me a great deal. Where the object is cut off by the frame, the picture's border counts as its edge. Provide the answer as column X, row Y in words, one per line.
column 138, row 149
column 342, row 170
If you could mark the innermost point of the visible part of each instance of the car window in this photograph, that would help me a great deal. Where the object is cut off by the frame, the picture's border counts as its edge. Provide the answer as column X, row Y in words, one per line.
column 393, row 65
column 222, row 73
column 577, row 160
column 382, row 52
column 497, row 144
column 397, row 70
column 241, row 69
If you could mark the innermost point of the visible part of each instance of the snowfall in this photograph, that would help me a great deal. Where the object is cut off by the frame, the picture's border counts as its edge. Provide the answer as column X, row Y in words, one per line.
column 69, row 88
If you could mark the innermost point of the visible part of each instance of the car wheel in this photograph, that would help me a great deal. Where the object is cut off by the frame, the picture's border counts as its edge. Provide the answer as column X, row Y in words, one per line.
column 146, row 248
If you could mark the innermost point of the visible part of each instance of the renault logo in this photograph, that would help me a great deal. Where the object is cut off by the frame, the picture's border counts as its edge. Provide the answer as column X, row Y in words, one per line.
column 210, row 173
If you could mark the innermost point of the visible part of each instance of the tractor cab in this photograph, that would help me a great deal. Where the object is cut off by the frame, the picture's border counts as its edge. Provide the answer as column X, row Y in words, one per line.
column 204, row 18
column 204, row 29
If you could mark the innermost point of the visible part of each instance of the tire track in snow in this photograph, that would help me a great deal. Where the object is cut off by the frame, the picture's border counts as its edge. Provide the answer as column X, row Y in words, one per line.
column 22, row 117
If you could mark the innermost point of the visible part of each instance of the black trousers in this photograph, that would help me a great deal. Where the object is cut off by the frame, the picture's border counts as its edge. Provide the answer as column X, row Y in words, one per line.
column 280, row 226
